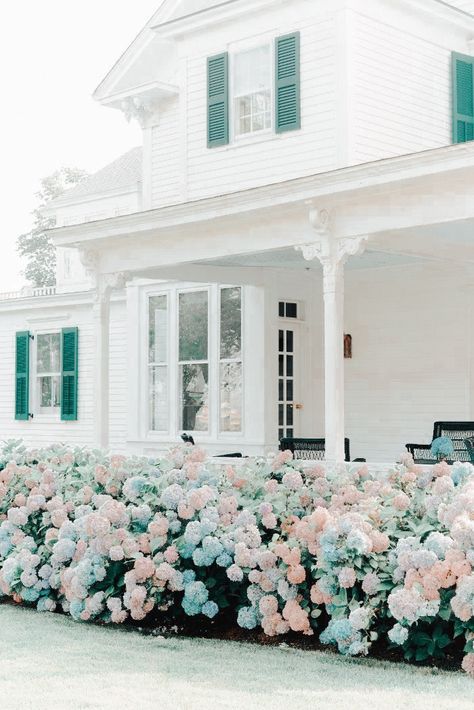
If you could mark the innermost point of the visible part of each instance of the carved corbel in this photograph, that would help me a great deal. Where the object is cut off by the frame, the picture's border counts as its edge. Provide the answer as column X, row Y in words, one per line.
column 139, row 109
column 109, row 282
column 327, row 248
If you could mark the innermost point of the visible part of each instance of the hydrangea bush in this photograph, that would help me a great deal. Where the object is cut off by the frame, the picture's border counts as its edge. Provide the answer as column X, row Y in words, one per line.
column 349, row 556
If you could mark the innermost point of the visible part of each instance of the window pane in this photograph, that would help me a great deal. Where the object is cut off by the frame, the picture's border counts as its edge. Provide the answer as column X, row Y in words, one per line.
column 158, row 329
column 252, row 71
column 48, row 349
column 194, row 405
column 49, row 391
column 231, row 396
column 158, row 389
column 193, row 316
column 231, row 323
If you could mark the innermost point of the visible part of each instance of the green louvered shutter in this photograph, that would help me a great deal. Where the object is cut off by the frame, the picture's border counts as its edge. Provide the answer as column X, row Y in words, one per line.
column 22, row 376
column 463, row 98
column 218, row 100
column 287, row 83
column 69, row 373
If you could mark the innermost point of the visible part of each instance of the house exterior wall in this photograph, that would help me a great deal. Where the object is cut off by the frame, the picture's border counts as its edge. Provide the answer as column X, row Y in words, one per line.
column 412, row 355
column 50, row 315
column 400, row 81
column 370, row 89
column 412, row 363
column 179, row 138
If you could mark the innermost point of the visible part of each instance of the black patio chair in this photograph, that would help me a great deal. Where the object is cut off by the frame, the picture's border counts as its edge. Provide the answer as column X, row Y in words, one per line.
column 469, row 442
column 458, row 432
column 310, row 449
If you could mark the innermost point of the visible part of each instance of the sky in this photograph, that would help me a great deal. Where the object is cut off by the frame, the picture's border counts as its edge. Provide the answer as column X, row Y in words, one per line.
column 53, row 54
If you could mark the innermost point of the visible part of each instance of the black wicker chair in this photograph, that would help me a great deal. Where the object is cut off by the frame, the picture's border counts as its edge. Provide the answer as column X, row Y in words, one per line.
column 469, row 442
column 458, row 432
column 310, row 449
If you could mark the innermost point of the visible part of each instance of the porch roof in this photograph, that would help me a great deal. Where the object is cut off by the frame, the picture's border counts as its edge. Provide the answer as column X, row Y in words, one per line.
column 416, row 205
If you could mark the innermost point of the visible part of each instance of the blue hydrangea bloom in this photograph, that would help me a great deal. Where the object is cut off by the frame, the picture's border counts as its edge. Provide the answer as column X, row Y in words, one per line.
column 210, row 609
column 246, row 618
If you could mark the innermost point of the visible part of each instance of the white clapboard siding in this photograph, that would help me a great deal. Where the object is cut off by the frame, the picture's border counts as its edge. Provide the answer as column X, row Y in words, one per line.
column 183, row 167
column 118, row 377
column 401, row 91
column 43, row 430
column 411, row 356
column 166, row 147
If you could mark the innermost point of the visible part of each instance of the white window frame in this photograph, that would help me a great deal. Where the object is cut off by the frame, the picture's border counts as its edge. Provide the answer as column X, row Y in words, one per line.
column 234, row 50
column 213, row 435
column 44, row 413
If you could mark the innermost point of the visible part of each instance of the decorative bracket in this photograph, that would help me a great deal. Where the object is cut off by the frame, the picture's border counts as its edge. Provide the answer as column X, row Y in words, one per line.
column 138, row 108
column 326, row 248
column 106, row 283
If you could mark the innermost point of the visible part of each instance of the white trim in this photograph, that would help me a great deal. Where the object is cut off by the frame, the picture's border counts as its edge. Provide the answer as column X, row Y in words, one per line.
column 44, row 414
column 380, row 173
column 265, row 40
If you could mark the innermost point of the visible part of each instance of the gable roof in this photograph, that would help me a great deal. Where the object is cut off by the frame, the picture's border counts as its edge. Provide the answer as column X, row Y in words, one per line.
column 123, row 173
column 147, row 42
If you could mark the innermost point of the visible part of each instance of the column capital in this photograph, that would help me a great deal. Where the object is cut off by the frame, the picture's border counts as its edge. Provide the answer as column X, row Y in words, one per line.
column 326, row 247
column 106, row 283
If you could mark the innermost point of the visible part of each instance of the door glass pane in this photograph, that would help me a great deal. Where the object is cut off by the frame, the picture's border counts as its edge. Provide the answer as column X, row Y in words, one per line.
column 158, row 398
column 289, row 365
column 231, row 396
column 281, row 368
column 158, row 329
column 194, row 406
column 231, row 323
column 289, row 341
column 193, row 324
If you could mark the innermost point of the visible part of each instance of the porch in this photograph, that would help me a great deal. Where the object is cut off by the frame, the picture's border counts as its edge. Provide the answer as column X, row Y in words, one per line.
column 381, row 252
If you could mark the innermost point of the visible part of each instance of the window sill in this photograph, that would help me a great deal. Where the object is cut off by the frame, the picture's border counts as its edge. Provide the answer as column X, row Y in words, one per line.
column 266, row 137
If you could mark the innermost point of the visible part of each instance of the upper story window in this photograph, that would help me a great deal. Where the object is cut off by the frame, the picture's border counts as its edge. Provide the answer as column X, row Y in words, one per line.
column 252, row 90
column 48, row 372
column 255, row 96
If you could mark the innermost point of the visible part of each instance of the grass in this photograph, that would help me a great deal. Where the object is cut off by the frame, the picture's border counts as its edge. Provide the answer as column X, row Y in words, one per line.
column 48, row 662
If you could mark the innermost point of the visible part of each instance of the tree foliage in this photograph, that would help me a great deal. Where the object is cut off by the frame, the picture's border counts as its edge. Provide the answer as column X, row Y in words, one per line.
column 36, row 245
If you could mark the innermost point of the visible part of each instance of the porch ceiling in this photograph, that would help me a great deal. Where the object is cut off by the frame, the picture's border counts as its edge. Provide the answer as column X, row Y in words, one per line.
column 292, row 259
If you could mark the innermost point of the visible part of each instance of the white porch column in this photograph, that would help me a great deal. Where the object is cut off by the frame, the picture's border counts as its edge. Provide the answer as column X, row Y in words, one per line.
column 332, row 253
column 101, row 318
column 333, row 290
column 103, row 284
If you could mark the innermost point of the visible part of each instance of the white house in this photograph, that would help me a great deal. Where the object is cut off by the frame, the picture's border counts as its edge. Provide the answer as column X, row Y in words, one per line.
column 306, row 172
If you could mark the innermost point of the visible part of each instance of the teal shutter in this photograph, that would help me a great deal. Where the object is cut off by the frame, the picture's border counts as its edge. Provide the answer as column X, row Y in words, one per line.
column 218, row 100
column 463, row 98
column 287, row 83
column 22, row 376
column 69, row 373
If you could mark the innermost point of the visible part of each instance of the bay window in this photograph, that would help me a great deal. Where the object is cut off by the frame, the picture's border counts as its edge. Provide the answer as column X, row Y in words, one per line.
column 195, row 360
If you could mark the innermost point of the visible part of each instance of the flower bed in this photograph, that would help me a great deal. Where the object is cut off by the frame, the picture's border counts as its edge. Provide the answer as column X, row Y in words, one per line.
column 342, row 554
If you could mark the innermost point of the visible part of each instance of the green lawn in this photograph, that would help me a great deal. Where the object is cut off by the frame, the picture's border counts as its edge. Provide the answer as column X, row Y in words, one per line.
column 48, row 662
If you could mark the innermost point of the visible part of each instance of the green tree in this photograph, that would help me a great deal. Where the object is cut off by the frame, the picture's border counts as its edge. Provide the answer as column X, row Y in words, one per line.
column 36, row 245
